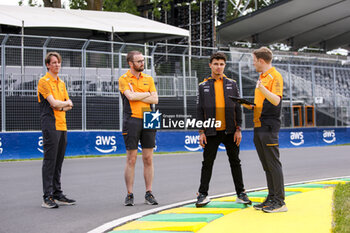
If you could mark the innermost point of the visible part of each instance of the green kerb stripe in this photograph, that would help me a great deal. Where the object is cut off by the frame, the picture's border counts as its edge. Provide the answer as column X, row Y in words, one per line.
column 345, row 179
column 264, row 194
column 309, row 185
column 221, row 204
column 181, row 217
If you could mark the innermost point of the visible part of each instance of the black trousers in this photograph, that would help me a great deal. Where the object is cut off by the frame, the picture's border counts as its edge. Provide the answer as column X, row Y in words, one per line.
column 209, row 156
column 266, row 143
column 55, row 143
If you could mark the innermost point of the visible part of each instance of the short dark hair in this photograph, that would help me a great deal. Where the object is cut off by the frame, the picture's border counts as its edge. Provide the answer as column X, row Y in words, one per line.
column 52, row 54
column 131, row 54
column 218, row 56
column 263, row 53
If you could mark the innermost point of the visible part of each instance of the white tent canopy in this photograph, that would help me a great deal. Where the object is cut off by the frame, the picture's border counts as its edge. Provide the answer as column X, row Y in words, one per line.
column 40, row 17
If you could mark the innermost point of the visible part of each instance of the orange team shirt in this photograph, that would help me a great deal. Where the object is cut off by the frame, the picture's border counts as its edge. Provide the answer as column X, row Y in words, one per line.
column 272, row 81
column 144, row 83
column 220, row 103
column 47, row 86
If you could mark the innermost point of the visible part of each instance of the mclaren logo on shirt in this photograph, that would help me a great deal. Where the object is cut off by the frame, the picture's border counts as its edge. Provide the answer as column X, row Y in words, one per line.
column 329, row 136
column 106, row 144
column 297, row 138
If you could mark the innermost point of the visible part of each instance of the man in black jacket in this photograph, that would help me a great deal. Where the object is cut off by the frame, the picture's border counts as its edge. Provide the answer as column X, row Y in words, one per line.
column 213, row 102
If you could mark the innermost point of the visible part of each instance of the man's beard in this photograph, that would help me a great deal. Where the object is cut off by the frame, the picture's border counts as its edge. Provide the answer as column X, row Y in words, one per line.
column 139, row 69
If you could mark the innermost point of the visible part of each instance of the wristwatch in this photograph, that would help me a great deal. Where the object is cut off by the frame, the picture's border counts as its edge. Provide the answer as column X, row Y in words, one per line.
column 238, row 128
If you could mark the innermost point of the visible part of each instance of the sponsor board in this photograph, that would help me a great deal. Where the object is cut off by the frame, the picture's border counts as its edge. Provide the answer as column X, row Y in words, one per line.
column 297, row 138
column 329, row 136
column 139, row 148
column 30, row 144
column 40, row 144
column 1, row 149
column 192, row 143
column 105, row 144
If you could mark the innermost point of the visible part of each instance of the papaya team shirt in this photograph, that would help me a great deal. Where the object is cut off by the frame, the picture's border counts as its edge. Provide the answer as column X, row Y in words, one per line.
column 52, row 119
column 220, row 103
column 144, row 83
column 272, row 81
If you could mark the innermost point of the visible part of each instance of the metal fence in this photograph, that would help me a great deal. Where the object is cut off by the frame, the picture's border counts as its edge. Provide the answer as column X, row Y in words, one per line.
column 316, row 90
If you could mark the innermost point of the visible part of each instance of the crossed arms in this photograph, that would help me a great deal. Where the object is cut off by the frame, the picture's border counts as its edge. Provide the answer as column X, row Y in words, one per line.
column 146, row 97
column 60, row 105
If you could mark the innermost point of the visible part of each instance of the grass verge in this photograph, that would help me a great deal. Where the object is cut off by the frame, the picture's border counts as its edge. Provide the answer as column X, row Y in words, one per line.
column 345, row 144
column 341, row 209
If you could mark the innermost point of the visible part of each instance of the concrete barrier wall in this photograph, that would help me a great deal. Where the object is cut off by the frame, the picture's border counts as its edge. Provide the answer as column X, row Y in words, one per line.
column 25, row 145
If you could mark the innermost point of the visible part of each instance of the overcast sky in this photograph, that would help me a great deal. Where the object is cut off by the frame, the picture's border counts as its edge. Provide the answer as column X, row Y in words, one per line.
column 8, row 2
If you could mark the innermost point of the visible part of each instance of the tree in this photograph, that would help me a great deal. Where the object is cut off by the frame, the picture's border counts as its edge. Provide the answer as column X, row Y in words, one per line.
column 78, row 4
column 52, row 3
column 29, row 2
column 238, row 8
column 128, row 6
column 94, row 5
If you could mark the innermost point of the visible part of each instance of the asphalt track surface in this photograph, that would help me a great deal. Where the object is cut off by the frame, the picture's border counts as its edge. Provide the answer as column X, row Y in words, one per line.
column 98, row 185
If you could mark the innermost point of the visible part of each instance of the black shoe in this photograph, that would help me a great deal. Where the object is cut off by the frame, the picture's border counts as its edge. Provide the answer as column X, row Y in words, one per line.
column 202, row 200
column 129, row 200
column 243, row 199
column 150, row 199
column 268, row 201
column 63, row 200
column 275, row 208
column 49, row 203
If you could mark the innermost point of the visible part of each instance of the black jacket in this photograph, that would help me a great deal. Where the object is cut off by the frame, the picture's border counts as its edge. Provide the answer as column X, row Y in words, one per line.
column 206, row 108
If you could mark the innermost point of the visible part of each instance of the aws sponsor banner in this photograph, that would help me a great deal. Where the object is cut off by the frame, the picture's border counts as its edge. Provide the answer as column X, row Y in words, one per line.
column 20, row 145
column 171, row 141
column 308, row 137
column 30, row 144
column 95, row 143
